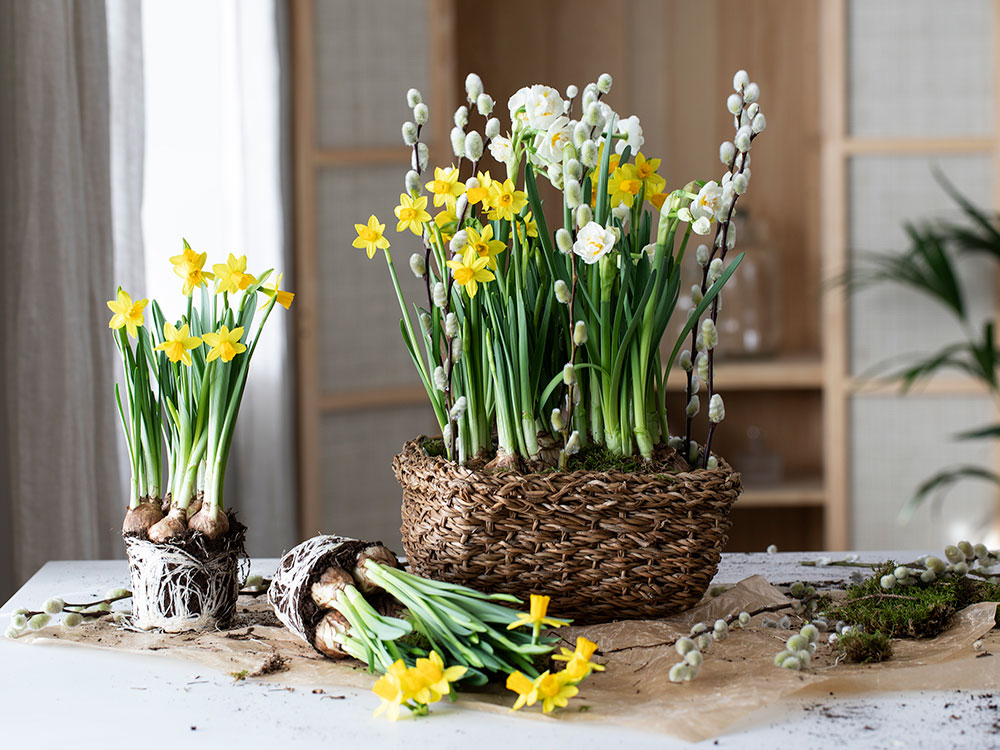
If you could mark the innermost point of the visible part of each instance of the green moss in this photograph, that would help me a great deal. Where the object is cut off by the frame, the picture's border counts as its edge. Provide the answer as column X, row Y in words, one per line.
column 921, row 611
column 599, row 458
column 865, row 648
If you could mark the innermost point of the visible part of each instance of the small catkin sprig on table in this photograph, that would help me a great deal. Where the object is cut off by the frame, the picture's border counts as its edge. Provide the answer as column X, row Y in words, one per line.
column 26, row 620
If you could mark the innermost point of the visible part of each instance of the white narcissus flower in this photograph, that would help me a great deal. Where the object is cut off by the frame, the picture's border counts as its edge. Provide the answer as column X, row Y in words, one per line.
column 542, row 105
column 701, row 226
column 630, row 128
column 593, row 242
column 516, row 102
column 500, row 149
column 549, row 145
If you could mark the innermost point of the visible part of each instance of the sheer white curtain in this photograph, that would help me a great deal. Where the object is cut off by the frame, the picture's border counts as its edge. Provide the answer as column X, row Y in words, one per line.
column 214, row 175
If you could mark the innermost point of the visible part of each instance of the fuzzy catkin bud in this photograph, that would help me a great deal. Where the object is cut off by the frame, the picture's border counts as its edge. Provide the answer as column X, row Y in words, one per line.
column 604, row 82
column 580, row 333
column 574, row 194
column 39, row 621
column 758, row 123
column 459, row 408
column 727, row 151
column 439, row 294
column 572, row 91
column 684, row 646
column 734, row 103
column 740, row 80
column 573, row 443
column 71, row 619
column 588, row 154
column 456, row 350
column 412, row 182
column 421, row 114
column 492, row 128
column 709, row 333
column 701, row 362
column 473, row 86
column 418, row 161
column 751, row 92
column 409, row 133
column 715, row 269
column 473, row 146
column 742, row 139
column 54, row 606
column 418, row 265
column 584, row 215
column 451, row 325
column 561, row 289
column 440, row 378
column 18, row 621
column 739, row 187
column 484, row 104
column 696, row 294
column 557, row 421
column 592, row 116
column 574, row 169
column 458, row 242
column 461, row 116
column 569, row 374
column 458, row 141
column 685, row 360
column 693, row 407
column 425, row 322
column 413, row 98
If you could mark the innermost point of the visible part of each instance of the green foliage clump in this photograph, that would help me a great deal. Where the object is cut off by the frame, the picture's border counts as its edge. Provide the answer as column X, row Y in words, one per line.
column 865, row 648
column 919, row 611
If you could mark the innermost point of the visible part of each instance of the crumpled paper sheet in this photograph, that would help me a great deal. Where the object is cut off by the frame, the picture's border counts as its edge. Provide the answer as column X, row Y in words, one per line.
column 738, row 676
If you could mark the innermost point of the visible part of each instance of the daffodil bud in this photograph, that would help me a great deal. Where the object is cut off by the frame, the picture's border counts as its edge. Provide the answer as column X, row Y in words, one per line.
column 418, row 265
column 588, row 154
column 734, row 103
column 421, row 114
column 742, row 139
column 418, row 160
column 557, row 421
column 604, row 83
column 71, row 619
column 573, row 444
column 751, row 92
column 758, row 124
column 694, row 406
column 685, row 360
column 580, row 333
column 574, row 194
column 473, row 86
column 409, row 133
column 584, row 215
column 561, row 290
column 709, row 333
column 413, row 98
column 569, row 374
column 458, row 141
column 39, row 621
column 451, row 325
column 473, row 146
column 492, row 128
column 439, row 294
column 715, row 269
column 484, row 105
column 54, row 606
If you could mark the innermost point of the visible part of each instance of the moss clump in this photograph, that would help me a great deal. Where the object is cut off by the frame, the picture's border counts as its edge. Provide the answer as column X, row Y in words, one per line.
column 920, row 611
column 865, row 648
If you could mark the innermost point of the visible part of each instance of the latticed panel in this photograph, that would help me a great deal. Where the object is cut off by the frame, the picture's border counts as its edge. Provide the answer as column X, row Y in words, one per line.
column 368, row 52
column 361, row 497
column 900, row 442
column 921, row 68
column 889, row 322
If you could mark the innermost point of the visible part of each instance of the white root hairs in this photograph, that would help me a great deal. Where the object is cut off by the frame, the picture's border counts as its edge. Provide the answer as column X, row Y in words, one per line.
column 174, row 591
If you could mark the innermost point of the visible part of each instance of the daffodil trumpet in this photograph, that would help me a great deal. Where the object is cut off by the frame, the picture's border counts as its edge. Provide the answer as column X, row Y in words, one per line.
column 542, row 333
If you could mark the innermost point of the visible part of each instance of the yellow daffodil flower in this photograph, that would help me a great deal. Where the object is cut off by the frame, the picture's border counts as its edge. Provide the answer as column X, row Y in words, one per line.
column 658, row 200
column 232, row 275
column 554, row 691
column 126, row 313
column 536, row 617
column 613, row 162
column 484, row 246
column 578, row 664
column 646, row 171
column 505, row 201
column 447, row 222
column 370, row 236
column 445, row 187
column 624, row 185
column 435, row 678
column 412, row 213
column 395, row 688
column 284, row 297
column 188, row 266
column 470, row 271
column 176, row 343
column 225, row 344
column 530, row 223
column 527, row 690
column 481, row 193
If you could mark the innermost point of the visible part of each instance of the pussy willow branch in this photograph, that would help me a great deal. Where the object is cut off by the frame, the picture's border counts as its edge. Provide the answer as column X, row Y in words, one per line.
column 568, row 428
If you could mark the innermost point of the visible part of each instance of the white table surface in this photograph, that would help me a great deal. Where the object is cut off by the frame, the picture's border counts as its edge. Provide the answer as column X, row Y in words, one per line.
column 58, row 695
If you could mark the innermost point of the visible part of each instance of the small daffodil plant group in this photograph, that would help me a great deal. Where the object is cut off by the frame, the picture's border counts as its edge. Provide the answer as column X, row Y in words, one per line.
column 541, row 328
column 183, row 384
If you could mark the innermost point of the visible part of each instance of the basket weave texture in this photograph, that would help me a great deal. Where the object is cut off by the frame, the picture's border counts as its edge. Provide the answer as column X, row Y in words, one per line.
column 604, row 545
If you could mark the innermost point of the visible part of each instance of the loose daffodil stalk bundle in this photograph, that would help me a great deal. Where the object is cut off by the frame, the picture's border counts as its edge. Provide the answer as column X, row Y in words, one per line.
column 184, row 382
column 541, row 328
column 347, row 598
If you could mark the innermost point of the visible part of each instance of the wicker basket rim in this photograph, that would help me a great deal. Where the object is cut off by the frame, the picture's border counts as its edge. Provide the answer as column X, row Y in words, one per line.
column 415, row 446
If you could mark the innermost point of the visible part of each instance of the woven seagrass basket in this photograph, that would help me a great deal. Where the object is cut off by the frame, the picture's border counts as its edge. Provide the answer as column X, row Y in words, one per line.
column 604, row 545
